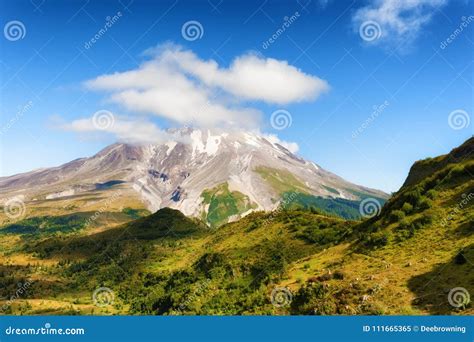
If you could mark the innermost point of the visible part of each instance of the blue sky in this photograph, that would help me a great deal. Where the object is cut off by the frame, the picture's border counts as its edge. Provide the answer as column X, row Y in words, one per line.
column 387, row 104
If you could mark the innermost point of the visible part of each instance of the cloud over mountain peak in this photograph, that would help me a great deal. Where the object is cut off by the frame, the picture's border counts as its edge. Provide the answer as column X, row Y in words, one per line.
column 176, row 85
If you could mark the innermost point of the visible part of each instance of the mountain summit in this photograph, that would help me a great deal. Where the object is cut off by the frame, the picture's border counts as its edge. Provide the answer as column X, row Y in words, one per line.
column 218, row 177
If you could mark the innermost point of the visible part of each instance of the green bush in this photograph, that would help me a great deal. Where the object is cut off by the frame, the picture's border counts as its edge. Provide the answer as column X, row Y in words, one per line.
column 413, row 197
column 323, row 233
column 424, row 203
column 397, row 216
column 309, row 300
column 431, row 194
column 407, row 229
column 456, row 171
column 377, row 239
column 407, row 208
column 211, row 261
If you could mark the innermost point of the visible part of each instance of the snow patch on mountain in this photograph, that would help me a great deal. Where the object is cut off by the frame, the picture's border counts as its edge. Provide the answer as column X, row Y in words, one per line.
column 175, row 174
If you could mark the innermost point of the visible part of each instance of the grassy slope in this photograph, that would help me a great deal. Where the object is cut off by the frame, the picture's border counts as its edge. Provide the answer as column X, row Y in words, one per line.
column 224, row 204
column 154, row 264
column 281, row 180
column 415, row 251
column 297, row 195
column 402, row 262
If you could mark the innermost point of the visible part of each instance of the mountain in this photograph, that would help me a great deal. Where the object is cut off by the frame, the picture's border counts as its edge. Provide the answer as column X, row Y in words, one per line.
column 415, row 257
column 218, row 177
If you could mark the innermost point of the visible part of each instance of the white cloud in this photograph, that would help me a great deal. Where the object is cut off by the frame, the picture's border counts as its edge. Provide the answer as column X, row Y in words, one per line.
column 179, row 86
column 125, row 130
column 290, row 146
column 145, row 132
column 250, row 77
column 400, row 21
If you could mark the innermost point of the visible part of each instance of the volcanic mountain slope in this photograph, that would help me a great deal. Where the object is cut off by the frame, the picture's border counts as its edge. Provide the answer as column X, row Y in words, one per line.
column 415, row 257
column 217, row 177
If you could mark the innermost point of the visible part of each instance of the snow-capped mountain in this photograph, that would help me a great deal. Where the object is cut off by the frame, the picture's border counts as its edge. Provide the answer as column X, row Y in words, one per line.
column 218, row 176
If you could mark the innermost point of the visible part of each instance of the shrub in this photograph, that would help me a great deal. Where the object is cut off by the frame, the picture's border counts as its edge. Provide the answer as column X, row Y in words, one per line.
column 425, row 203
column 413, row 197
column 407, row 229
column 407, row 208
column 252, row 226
column 456, row 170
column 377, row 239
column 404, row 224
column 397, row 216
column 431, row 194
column 310, row 300
column 323, row 233
column 210, row 261
column 426, row 219
column 372, row 309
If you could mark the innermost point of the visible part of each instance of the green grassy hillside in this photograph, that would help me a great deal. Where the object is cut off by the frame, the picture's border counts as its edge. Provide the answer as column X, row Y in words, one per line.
column 294, row 194
column 224, row 204
column 410, row 259
column 407, row 260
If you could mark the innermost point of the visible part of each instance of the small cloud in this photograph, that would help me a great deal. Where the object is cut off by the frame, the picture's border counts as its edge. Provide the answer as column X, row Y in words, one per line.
column 290, row 146
column 394, row 22
column 142, row 132
column 125, row 130
column 177, row 85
